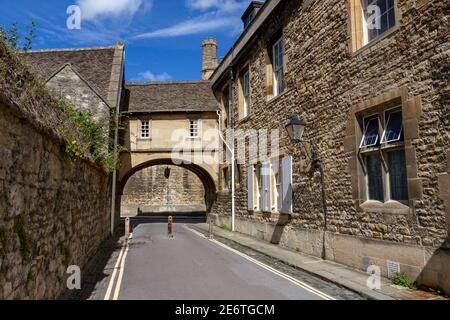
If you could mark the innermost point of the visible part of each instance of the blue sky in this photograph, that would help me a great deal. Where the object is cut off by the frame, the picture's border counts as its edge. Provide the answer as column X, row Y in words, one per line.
column 163, row 37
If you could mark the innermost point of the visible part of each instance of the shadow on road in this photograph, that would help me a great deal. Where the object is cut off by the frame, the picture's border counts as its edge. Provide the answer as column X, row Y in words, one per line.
column 93, row 272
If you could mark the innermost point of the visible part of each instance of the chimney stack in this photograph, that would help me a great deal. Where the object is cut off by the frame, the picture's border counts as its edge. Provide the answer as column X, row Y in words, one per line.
column 209, row 58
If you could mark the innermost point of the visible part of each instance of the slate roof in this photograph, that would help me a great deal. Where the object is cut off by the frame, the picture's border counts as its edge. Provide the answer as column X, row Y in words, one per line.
column 94, row 65
column 175, row 96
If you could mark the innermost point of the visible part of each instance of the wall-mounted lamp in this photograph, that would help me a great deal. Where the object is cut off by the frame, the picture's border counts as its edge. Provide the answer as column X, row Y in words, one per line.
column 295, row 128
column 167, row 173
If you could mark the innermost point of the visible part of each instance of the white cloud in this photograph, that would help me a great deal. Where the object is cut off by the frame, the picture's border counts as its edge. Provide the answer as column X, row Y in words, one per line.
column 150, row 76
column 221, row 5
column 217, row 14
column 93, row 9
column 198, row 25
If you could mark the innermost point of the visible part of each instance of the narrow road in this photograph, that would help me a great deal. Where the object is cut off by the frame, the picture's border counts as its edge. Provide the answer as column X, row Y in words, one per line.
column 190, row 267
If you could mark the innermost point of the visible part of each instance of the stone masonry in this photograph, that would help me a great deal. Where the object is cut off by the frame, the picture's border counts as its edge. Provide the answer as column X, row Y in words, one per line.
column 151, row 192
column 326, row 82
column 54, row 213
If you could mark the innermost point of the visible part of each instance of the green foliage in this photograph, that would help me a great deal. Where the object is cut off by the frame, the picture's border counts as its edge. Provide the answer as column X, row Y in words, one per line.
column 223, row 226
column 20, row 228
column 96, row 140
column 401, row 279
column 73, row 150
column 12, row 38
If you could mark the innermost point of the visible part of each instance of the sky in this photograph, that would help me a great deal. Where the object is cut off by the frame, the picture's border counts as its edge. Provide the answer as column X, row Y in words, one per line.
column 162, row 37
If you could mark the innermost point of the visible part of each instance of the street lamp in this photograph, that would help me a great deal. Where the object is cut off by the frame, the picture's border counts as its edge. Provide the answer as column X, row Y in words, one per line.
column 296, row 128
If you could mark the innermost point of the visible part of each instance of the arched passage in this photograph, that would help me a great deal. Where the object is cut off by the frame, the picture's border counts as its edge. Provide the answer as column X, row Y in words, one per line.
column 205, row 176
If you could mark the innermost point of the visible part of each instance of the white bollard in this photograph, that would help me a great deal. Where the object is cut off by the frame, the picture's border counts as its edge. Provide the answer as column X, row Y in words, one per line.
column 211, row 228
column 127, row 227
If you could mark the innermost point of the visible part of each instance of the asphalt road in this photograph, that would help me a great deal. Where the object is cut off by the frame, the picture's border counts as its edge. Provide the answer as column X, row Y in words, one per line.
column 190, row 267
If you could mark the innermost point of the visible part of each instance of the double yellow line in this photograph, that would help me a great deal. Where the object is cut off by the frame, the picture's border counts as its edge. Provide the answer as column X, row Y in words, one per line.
column 120, row 265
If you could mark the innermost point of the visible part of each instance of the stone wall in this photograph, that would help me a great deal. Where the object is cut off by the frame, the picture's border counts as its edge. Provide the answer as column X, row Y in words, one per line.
column 150, row 191
column 325, row 81
column 53, row 213
column 69, row 85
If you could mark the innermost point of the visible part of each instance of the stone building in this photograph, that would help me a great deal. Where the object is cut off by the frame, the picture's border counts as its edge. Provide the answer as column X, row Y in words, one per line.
column 93, row 79
column 167, row 122
column 90, row 78
column 376, row 107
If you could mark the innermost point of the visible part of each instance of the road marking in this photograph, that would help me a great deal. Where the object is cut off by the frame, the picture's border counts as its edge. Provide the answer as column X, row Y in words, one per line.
column 123, row 250
column 119, row 279
column 268, row 268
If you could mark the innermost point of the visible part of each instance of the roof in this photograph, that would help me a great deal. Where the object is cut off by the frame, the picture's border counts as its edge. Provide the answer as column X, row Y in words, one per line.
column 244, row 39
column 172, row 96
column 94, row 65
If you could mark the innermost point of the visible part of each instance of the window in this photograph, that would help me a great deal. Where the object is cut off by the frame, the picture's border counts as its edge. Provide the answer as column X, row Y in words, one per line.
column 194, row 128
column 370, row 19
column 145, row 129
column 277, row 197
column 278, row 68
column 397, row 175
column 378, row 17
column 225, row 107
column 244, row 93
column 374, row 177
column 271, row 191
column 370, row 137
column 246, row 89
column 259, row 183
column 384, row 161
column 394, row 127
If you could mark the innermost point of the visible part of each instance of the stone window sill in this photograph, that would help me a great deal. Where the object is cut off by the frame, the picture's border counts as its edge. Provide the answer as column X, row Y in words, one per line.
column 244, row 120
column 272, row 100
column 390, row 207
column 376, row 41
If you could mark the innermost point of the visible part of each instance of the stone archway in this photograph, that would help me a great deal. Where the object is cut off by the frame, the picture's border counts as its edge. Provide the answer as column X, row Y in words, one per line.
column 133, row 163
column 163, row 190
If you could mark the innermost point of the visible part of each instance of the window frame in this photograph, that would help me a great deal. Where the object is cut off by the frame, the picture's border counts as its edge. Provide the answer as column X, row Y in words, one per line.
column 396, row 109
column 278, row 69
column 370, row 117
column 357, row 28
column 366, row 39
column 197, row 129
column 383, row 150
column 246, row 92
column 141, row 129
column 258, row 187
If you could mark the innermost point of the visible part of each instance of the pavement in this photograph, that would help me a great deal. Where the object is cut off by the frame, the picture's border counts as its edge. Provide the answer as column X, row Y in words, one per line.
column 152, row 266
column 330, row 271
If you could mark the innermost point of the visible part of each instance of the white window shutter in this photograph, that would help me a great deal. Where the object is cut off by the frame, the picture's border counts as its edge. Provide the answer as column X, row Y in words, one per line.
column 266, row 192
column 286, row 186
column 250, row 189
